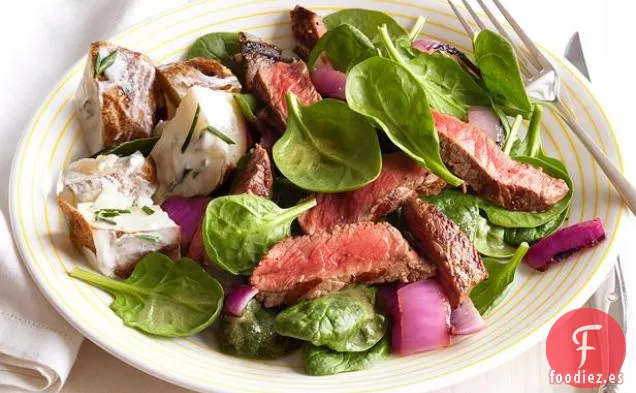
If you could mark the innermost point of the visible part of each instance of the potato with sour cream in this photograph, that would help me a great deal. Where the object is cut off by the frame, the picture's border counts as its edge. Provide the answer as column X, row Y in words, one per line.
column 119, row 98
column 112, row 219
column 177, row 78
column 200, row 145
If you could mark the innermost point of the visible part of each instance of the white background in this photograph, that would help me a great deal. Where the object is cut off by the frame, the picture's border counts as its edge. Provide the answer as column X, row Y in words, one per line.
column 40, row 39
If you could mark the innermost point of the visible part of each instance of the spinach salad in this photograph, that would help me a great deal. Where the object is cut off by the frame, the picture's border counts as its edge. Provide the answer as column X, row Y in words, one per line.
column 373, row 178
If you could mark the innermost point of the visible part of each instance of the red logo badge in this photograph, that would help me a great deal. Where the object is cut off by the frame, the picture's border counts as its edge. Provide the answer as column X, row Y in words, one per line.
column 586, row 348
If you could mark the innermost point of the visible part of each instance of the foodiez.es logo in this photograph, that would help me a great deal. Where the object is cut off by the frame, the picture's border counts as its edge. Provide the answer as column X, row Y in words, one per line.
column 585, row 348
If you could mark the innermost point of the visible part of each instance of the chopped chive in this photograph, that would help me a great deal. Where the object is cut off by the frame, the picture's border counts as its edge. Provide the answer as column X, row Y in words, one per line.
column 101, row 64
column 192, row 126
column 106, row 220
column 148, row 210
column 149, row 238
column 218, row 133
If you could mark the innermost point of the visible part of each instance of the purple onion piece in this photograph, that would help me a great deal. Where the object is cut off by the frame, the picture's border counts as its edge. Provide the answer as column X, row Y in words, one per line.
column 423, row 322
column 465, row 319
column 428, row 45
column 564, row 243
column 187, row 213
column 237, row 299
column 329, row 82
column 487, row 120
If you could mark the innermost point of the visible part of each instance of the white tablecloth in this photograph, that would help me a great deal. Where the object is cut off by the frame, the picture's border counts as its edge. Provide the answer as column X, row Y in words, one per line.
column 42, row 38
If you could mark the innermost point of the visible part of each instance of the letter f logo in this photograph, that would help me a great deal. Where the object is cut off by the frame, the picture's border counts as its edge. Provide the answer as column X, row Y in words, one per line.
column 583, row 344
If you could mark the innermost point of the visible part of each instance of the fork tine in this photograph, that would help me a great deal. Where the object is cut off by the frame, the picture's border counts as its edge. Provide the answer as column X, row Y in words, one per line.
column 474, row 15
column 529, row 63
column 539, row 56
column 463, row 21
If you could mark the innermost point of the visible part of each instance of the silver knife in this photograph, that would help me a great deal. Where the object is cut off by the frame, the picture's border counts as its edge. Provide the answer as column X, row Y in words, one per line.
column 611, row 296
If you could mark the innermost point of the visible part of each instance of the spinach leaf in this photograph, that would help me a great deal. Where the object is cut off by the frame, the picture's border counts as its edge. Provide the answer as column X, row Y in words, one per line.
column 327, row 147
column 463, row 209
column 449, row 88
column 344, row 321
column 367, row 21
column 392, row 96
column 530, row 146
column 249, row 105
column 252, row 335
column 324, row 361
column 517, row 236
column 219, row 46
column 490, row 240
column 162, row 297
column 499, row 68
column 500, row 276
column 239, row 229
column 143, row 145
column 517, row 219
column 345, row 47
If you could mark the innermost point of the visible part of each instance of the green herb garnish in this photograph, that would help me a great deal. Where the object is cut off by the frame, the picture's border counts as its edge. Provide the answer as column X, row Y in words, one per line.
column 194, row 123
column 218, row 133
column 147, row 210
column 106, row 220
column 150, row 238
column 102, row 63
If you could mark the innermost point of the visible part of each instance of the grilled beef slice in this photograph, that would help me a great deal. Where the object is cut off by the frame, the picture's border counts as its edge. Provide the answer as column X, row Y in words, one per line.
column 310, row 266
column 308, row 27
column 471, row 155
column 401, row 178
column 459, row 266
column 255, row 177
column 270, row 78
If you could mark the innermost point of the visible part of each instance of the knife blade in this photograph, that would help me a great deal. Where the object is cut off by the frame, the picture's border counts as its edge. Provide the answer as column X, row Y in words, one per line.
column 611, row 296
column 574, row 54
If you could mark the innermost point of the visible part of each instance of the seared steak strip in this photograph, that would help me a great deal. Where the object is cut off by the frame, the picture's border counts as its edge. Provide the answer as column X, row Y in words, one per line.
column 459, row 266
column 256, row 176
column 401, row 178
column 271, row 79
column 310, row 266
column 308, row 27
column 471, row 155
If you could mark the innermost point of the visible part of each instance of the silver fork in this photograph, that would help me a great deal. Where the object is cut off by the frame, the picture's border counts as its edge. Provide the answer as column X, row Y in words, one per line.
column 543, row 83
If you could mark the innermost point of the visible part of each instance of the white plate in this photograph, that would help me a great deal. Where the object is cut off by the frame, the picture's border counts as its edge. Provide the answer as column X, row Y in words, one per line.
column 520, row 320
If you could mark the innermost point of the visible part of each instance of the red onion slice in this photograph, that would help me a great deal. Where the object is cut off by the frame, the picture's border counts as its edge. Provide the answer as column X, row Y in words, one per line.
column 424, row 318
column 486, row 120
column 426, row 45
column 564, row 243
column 237, row 299
column 329, row 82
column 187, row 213
column 465, row 319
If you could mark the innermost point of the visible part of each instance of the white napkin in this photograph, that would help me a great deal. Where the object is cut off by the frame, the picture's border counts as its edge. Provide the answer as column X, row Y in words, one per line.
column 37, row 347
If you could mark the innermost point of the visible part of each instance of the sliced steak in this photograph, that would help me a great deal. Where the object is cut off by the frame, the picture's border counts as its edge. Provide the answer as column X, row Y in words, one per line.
column 255, row 177
column 471, row 155
column 459, row 266
column 310, row 266
column 401, row 178
column 270, row 78
column 308, row 27
column 255, row 54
